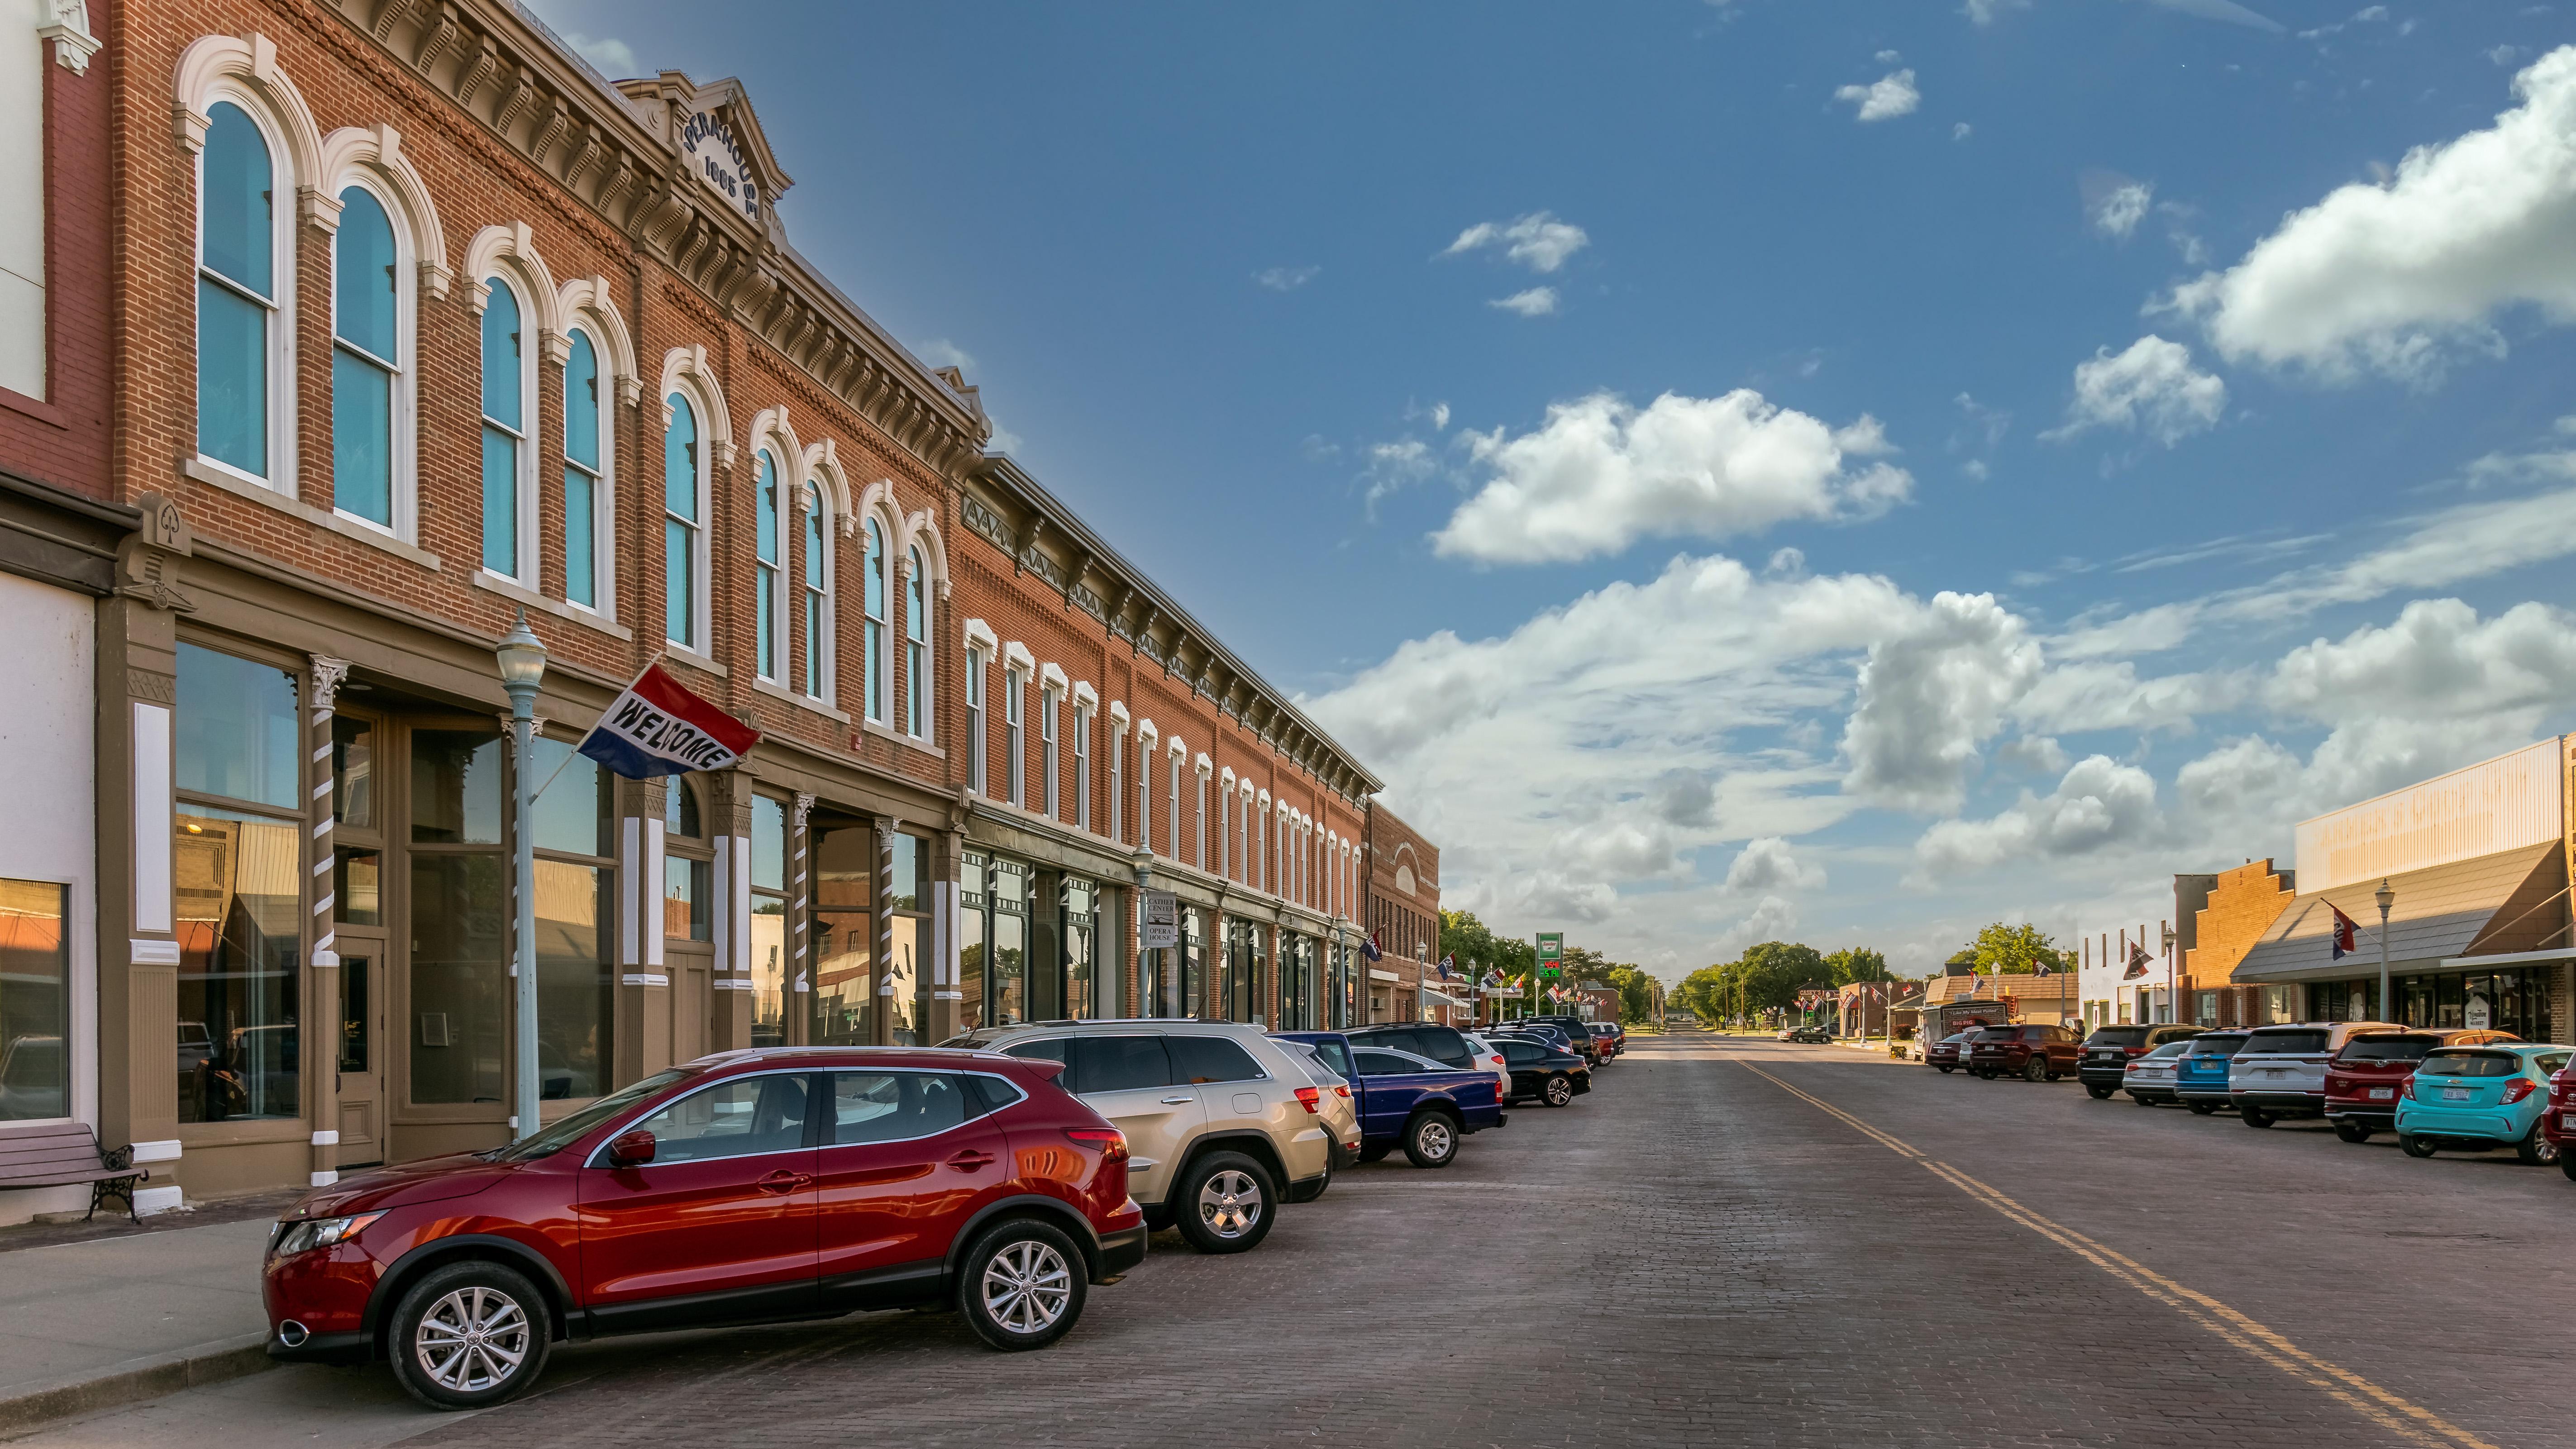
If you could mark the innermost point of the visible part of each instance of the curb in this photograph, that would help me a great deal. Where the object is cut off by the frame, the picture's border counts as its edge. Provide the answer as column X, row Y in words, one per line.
column 148, row 1378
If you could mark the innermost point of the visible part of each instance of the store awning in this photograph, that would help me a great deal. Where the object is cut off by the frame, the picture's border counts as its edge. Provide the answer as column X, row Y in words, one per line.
column 1443, row 998
column 2508, row 904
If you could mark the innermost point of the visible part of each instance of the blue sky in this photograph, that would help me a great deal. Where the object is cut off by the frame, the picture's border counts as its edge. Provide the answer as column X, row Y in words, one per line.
column 1764, row 469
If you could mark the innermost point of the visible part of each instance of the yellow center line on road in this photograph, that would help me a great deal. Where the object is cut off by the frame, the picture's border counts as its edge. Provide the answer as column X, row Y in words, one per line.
column 2390, row 1411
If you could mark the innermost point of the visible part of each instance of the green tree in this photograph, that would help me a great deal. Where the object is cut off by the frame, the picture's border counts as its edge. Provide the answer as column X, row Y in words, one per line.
column 1857, row 963
column 2016, row 950
column 1636, row 992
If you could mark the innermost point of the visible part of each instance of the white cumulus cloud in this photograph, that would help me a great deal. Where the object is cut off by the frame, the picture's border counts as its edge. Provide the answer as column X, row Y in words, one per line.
column 1285, row 279
column 1537, row 241
column 1602, row 473
column 2114, row 204
column 1768, row 865
column 2402, row 276
column 2099, row 803
column 1536, row 302
column 1890, row 96
column 2151, row 388
column 1934, row 688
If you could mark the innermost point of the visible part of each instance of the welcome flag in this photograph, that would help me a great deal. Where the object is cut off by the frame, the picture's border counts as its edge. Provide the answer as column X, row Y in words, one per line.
column 2343, row 933
column 657, row 727
column 2139, row 960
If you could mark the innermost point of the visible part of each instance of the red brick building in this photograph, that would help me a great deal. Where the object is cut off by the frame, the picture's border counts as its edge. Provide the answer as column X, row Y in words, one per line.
column 1404, row 918
column 371, row 324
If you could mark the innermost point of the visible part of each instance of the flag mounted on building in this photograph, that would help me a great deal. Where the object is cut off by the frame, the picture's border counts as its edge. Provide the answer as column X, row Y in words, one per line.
column 1448, row 968
column 2139, row 960
column 657, row 727
column 2342, row 935
column 1370, row 948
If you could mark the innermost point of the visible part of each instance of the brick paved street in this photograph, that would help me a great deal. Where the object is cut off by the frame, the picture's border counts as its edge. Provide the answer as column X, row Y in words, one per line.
column 1693, row 1254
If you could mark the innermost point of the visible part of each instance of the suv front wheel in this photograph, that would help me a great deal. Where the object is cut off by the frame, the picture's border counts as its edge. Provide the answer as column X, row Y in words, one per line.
column 469, row 1335
column 1022, row 1285
column 1224, row 1201
column 1558, row 1091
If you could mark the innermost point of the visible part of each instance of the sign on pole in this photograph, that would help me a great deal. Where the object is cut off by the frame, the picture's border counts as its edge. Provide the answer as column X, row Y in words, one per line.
column 1162, row 920
column 1551, row 955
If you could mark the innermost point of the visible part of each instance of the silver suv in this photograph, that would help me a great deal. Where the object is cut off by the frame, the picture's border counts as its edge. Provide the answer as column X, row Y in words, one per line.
column 2281, row 1070
column 1222, row 1125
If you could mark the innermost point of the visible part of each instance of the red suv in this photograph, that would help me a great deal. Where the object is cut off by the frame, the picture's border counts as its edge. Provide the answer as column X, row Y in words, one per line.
column 748, row 1186
column 2364, row 1079
column 2038, row 1053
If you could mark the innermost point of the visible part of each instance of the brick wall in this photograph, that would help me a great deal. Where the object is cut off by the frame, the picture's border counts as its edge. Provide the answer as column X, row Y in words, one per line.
column 64, row 437
column 2242, row 906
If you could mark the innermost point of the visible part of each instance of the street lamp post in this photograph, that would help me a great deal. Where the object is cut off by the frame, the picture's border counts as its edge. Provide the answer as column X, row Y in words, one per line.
column 523, row 663
column 2386, row 899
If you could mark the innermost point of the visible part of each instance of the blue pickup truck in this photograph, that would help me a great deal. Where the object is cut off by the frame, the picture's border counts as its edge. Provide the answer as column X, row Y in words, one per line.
column 1408, row 1101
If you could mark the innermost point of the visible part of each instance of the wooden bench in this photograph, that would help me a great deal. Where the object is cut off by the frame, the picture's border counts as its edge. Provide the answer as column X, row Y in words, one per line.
column 64, row 1155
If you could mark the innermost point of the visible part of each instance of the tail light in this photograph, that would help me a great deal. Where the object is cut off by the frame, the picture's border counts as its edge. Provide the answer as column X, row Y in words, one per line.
column 1109, row 1142
column 2519, row 1088
column 2135, row 1051
column 1310, row 1099
column 1498, row 1061
column 2408, row 1091
column 1342, row 1090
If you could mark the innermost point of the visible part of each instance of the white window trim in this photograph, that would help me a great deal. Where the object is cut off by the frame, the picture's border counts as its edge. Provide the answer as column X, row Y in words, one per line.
column 772, row 670
column 531, row 334
column 284, row 203
column 1015, row 738
column 1118, row 778
column 1050, row 739
column 1081, row 764
column 403, row 463
column 876, row 631
column 699, row 624
column 603, row 487
column 821, row 578
column 919, row 698
column 979, row 721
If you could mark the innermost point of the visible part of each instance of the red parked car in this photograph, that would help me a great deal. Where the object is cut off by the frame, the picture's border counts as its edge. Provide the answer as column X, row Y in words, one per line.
column 1946, row 1053
column 2558, row 1124
column 769, row 1185
column 2364, row 1079
column 2038, row 1053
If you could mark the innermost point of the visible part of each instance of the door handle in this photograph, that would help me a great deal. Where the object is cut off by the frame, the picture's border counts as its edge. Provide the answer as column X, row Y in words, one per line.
column 783, row 1181
column 1177, row 1101
column 971, row 1159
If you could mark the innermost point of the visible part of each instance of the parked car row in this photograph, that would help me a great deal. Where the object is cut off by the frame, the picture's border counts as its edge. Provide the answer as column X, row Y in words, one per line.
column 2435, row 1089
column 1003, row 1174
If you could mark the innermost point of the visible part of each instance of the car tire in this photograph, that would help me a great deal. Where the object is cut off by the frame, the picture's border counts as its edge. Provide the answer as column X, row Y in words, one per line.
column 2202, row 1109
column 1558, row 1091
column 1945, row 1069
column 1431, row 1140
column 2256, row 1116
column 2141, row 1101
column 2414, row 1146
column 1374, row 1151
column 1022, row 1285
column 1227, row 1203
column 487, row 1312
column 2352, row 1132
column 2099, row 1093
column 2036, row 1070
column 2535, row 1149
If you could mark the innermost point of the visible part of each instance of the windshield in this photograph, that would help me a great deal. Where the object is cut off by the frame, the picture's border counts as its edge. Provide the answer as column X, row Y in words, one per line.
column 2385, row 1049
column 2216, row 1046
column 2470, row 1064
column 569, row 1130
column 1998, row 1033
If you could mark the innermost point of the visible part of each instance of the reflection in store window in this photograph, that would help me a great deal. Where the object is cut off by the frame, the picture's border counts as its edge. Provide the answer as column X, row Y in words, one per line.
column 573, row 986
column 236, row 886
column 35, row 996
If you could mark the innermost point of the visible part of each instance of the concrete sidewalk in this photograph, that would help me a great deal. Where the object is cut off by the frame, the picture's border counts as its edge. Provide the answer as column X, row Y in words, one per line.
column 86, row 1325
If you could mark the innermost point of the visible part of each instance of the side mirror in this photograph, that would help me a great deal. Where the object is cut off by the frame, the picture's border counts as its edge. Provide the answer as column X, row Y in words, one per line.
column 633, row 1149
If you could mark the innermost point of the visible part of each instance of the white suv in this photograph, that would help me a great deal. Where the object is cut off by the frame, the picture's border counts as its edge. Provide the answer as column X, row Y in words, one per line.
column 1222, row 1125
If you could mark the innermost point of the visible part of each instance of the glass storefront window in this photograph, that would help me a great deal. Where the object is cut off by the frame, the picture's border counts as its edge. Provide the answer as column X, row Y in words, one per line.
column 1193, row 960
column 572, row 814
column 842, row 1002
column 972, row 903
column 688, row 899
column 905, row 982
column 237, row 881
column 459, row 1038
column 353, row 772
column 357, row 885
column 236, row 730
column 456, row 787
column 1007, row 996
column 1081, row 911
column 768, row 921
column 355, row 1038
column 574, row 1002
column 680, row 808
column 903, row 888
column 35, row 1000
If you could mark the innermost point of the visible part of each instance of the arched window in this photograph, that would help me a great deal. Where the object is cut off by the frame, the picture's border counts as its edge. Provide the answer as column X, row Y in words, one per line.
column 765, row 571
column 365, row 358
column 818, row 599
column 873, row 604
column 916, row 651
column 585, row 475
column 680, row 524
column 504, row 427
column 237, row 292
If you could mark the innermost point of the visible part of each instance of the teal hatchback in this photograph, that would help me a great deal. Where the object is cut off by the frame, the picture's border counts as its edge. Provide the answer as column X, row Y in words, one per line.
column 2480, row 1097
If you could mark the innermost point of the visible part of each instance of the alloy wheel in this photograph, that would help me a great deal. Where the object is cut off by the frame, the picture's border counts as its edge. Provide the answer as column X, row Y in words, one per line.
column 1230, row 1203
column 1026, row 1286
column 471, row 1340
column 1436, row 1140
column 1559, row 1091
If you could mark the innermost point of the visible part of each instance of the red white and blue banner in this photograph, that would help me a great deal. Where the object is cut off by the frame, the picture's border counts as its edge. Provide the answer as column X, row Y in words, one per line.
column 2343, row 933
column 657, row 727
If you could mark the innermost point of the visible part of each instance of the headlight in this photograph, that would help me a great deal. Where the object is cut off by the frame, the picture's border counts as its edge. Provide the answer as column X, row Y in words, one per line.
column 311, row 1233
